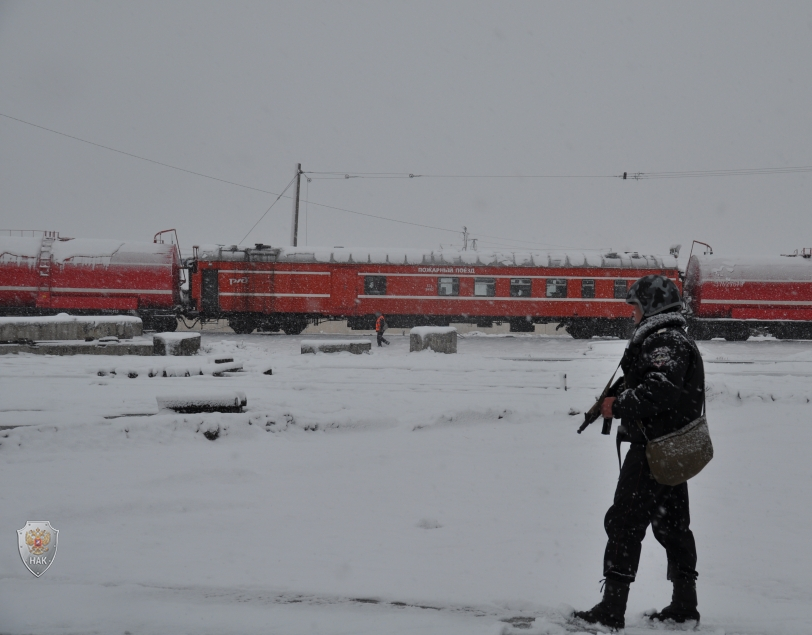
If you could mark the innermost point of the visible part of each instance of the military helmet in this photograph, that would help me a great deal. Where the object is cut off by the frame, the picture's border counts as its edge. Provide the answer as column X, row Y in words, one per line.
column 654, row 294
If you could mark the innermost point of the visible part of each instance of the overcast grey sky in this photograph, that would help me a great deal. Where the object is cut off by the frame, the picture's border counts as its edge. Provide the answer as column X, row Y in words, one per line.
column 242, row 91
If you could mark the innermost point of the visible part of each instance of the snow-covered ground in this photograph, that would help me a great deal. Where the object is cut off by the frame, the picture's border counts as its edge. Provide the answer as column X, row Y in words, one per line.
column 448, row 492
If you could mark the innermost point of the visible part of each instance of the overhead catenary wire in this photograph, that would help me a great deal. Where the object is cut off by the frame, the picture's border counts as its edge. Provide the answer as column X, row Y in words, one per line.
column 268, row 210
column 511, row 244
column 136, row 156
column 392, row 220
column 214, row 178
column 638, row 176
column 444, row 229
column 635, row 176
column 641, row 176
column 403, row 175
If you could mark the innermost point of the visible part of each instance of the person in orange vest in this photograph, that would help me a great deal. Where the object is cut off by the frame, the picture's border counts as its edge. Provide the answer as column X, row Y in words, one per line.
column 380, row 327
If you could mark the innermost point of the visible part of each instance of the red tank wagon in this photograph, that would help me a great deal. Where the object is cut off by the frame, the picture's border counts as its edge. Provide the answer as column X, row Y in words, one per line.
column 42, row 273
column 735, row 297
column 287, row 288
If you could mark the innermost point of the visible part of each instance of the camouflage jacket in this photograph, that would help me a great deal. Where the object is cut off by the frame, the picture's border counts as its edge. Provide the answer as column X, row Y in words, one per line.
column 664, row 386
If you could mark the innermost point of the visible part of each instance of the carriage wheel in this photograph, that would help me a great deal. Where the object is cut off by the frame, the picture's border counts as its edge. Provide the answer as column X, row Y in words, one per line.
column 242, row 325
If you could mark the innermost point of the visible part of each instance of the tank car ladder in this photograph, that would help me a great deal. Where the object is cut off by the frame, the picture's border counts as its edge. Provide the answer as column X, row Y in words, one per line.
column 44, row 268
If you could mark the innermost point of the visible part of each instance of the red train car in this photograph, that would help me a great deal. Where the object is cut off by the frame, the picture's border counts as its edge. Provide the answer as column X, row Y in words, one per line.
column 287, row 288
column 735, row 297
column 42, row 273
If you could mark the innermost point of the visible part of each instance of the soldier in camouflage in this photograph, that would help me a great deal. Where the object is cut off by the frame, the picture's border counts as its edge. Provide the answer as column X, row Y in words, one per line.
column 664, row 388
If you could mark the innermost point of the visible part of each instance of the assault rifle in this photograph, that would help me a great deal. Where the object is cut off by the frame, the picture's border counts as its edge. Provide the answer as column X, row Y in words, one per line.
column 611, row 390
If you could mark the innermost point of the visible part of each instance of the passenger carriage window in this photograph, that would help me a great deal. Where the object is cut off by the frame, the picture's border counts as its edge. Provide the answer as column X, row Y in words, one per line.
column 485, row 286
column 587, row 288
column 621, row 289
column 448, row 286
column 520, row 287
column 374, row 285
column 556, row 288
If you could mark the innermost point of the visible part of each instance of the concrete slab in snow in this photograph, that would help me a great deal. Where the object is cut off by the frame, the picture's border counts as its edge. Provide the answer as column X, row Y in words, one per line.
column 355, row 347
column 69, row 327
column 135, row 346
column 229, row 401
column 441, row 339
column 181, row 344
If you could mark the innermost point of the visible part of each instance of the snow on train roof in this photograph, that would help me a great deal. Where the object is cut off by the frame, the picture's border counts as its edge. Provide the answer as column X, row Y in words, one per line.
column 25, row 250
column 752, row 268
column 22, row 250
column 502, row 258
column 92, row 251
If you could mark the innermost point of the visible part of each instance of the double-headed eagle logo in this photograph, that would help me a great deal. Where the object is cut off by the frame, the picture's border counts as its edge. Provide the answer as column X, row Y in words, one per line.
column 37, row 541
column 36, row 548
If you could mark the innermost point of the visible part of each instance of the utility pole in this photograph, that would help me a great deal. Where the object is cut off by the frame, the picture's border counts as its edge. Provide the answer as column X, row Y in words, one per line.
column 294, row 229
column 464, row 238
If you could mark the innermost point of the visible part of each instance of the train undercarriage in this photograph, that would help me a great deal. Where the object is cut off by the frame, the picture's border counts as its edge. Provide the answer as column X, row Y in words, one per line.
column 586, row 328
column 154, row 320
column 741, row 330
column 295, row 323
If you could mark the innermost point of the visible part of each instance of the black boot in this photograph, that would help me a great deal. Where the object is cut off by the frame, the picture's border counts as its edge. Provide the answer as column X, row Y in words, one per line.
column 683, row 604
column 611, row 610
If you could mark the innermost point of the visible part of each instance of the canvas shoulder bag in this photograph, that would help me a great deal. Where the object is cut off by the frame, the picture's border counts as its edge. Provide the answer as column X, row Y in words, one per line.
column 676, row 457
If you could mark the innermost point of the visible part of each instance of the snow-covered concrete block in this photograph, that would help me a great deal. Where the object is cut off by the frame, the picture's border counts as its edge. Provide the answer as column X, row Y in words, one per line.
column 135, row 346
column 168, row 370
column 230, row 401
column 356, row 347
column 176, row 343
column 69, row 327
column 441, row 339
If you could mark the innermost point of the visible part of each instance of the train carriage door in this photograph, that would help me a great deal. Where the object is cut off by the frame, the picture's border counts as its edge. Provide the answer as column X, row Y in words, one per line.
column 209, row 292
column 344, row 290
column 270, row 300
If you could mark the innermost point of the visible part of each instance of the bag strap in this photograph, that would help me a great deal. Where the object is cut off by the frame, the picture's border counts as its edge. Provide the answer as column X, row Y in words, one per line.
column 696, row 363
column 618, row 440
column 612, row 378
column 617, row 435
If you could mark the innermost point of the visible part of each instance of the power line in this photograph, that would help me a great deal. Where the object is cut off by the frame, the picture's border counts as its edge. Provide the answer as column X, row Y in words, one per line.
column 392, row 220
column 444, row 229
column 349, row 175
column 268, row 210
column 512, row 245
column 214, row 178
column 639, row 176
column 281, row 195
column 135, row 156
column 400, row 175
column 635, row 176
column 499, row 244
